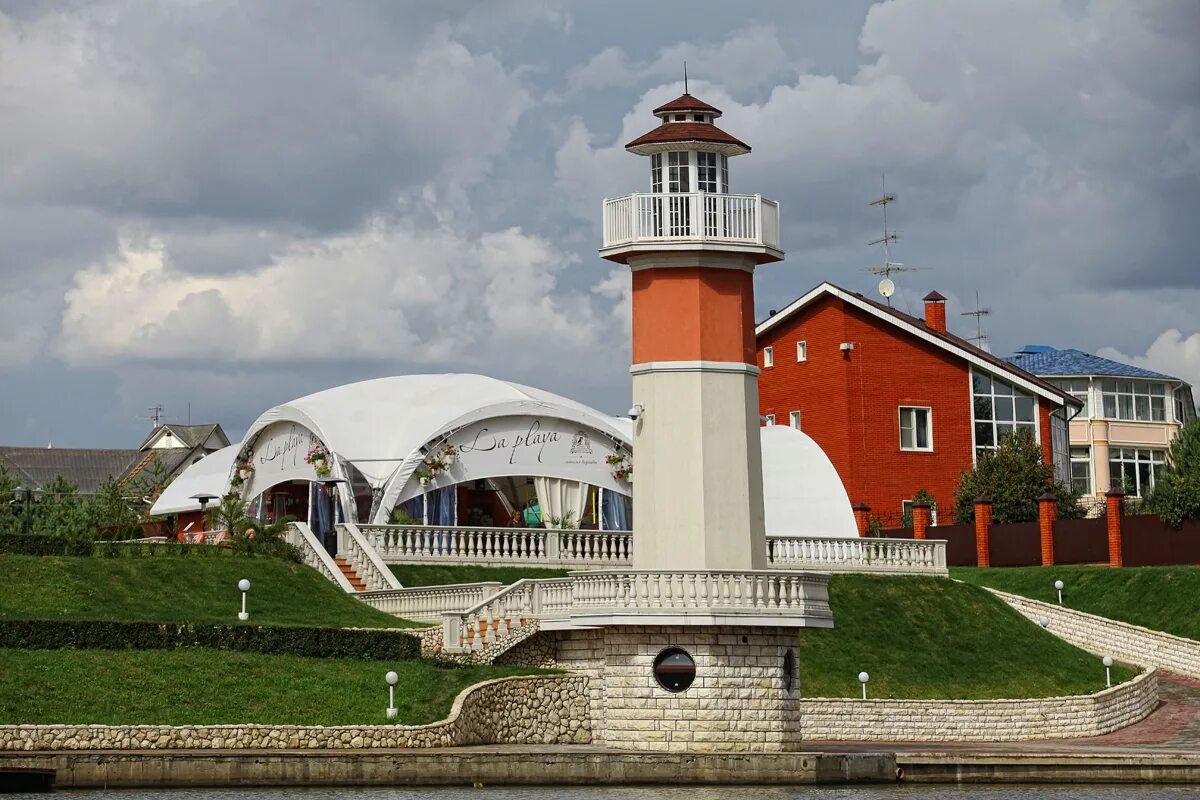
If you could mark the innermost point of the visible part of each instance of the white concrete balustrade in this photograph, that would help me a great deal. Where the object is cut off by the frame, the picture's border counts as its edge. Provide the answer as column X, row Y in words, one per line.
column 364, row 558
column 300, row 536
column 691, row 217
column 430, row 603
column 542, row 547
column 902, row 556
column 556, row 548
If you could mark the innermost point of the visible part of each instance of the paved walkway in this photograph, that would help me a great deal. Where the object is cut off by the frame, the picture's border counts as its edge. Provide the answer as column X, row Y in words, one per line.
column 1174, row 727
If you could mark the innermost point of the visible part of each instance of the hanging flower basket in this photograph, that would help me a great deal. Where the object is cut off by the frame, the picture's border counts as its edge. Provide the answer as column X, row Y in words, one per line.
column 621, row 465
column 318, row 457
column 242, row 473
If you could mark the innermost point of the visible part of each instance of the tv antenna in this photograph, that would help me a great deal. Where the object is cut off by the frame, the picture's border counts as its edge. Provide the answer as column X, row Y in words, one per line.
column 979, row 339
column 886, row 287
column 156, row 414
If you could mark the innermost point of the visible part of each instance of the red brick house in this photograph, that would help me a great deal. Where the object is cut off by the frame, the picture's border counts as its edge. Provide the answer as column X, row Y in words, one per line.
column 898, row 403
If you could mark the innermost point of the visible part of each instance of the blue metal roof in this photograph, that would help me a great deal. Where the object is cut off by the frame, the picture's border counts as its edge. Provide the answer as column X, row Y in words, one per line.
column 1046, row 361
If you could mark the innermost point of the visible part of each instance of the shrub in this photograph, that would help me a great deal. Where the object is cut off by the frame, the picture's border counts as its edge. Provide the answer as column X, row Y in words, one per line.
column 36, row 544
column 365, row 643
column 1013, row 476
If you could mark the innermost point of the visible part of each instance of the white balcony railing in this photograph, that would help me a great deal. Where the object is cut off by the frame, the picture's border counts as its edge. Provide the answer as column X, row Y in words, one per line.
column 658, row 218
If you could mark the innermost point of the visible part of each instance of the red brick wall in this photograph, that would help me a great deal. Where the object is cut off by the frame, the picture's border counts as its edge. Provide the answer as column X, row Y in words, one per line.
column 849, row 403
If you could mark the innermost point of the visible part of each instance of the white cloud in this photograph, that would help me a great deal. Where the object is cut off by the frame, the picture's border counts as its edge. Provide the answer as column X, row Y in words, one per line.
column 1172, row 353
column 383, row 293
column 748, row 57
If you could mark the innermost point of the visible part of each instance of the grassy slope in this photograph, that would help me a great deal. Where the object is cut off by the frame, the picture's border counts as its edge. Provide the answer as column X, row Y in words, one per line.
column 177, row 589
column 933, row 638
column 194, row 687
column 435, row 574
column 1162, row 598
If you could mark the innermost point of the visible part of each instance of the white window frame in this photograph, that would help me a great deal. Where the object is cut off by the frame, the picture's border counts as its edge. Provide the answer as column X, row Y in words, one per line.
column 794, row 419
column 770, row 419
column 1087, row 459
column 801, row 351
column 1117, row 455
column 1037, row 412
column 929, row 433
column 1132, row 389
column 768, row 357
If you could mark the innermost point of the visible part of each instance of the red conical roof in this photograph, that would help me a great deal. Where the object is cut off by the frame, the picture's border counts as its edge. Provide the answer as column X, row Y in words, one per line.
column 685, row 102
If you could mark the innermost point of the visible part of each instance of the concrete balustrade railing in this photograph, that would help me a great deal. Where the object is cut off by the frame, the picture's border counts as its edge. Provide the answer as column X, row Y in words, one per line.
column 505, row 613
column 430, row 603
column 906, row 556
column 550, row 548
column 300, row 536
column 364, row 558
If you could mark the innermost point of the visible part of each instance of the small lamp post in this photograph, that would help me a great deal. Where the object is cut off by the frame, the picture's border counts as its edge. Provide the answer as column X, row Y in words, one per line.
column 1058, row 587
column 391, row 679
column 204, row 498
column 1108, row 662
column 863, row 678
column 1044, row 622
column 243, row 587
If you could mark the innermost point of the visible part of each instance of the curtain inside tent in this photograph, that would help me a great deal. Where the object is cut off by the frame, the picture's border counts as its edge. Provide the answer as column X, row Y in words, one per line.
column 617, row 511
column 441, row 506
column 415, row 508
column 321, row 518
column 560, row 499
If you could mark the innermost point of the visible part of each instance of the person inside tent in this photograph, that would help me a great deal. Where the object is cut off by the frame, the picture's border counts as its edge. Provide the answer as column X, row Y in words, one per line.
column 533, row 514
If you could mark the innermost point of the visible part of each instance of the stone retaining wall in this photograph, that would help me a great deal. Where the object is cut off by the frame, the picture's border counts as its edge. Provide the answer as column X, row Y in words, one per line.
column 523, row 710
column 1130, row 643
column 836, row 719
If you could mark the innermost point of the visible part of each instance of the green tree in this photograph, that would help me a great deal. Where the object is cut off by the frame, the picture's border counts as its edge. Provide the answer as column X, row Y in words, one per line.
column 111, row 513
column 922, row 496
column 1176, row 495
column 10, row 509
column 59, row 510
column 1013, row 476
column 229, row 515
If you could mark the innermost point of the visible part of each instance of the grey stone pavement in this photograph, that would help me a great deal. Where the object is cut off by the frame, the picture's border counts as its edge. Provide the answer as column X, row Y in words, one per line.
column 1173, row 728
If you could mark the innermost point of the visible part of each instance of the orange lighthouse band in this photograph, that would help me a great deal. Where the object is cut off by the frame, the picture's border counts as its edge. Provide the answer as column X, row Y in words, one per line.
column 693, row 314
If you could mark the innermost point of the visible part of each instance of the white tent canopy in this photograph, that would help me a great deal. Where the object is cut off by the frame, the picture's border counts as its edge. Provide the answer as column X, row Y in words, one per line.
column 209, row 475
column 802, row 493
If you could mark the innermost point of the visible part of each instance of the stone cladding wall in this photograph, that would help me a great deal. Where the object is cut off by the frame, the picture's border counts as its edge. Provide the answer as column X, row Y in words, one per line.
column 837, row 719
column 738, row 701
column 522, row 710
column 432, row 646
column 1130, row 643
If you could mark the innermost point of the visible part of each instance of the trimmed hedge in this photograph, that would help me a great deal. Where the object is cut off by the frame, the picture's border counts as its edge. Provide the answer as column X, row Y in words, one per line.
column 37, row 544
column 373, row 644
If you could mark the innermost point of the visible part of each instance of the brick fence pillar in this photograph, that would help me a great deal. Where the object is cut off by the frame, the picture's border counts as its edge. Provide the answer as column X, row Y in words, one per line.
column 862, row 518
column 983, row 529
column 920, row 519
column 1114, row 509
column 1047, row 515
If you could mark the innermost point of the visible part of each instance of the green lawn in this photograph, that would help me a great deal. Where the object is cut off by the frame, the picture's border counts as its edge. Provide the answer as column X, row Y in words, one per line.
column 435, row 574
column 1162, row 598
column 198, row 686
column 931, row 638
column 177, row 589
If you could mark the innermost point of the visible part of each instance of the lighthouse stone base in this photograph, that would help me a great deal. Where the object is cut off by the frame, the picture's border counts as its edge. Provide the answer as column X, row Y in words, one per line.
column 745, row 696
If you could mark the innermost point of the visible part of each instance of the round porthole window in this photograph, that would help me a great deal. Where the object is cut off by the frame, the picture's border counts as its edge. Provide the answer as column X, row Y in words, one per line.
column 674, row 669
column 789, row 671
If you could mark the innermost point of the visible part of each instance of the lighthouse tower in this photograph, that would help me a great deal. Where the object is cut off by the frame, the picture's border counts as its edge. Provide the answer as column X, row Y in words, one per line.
column 692, row 246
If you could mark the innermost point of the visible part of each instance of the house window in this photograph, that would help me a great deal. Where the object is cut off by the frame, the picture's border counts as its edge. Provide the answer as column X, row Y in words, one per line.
column 999, row 410
column 770, row 419
column 794, row 419
column 1081, row 470
column 768, row 357
column 916, row 430
column 1077, row 388
column 1135, row 468
column 801, row 351
column 1141, row 401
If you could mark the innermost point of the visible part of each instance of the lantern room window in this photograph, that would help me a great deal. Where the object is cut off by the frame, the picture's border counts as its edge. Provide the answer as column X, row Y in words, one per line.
column 677, row 172
column 706, row 172
column 656, row 173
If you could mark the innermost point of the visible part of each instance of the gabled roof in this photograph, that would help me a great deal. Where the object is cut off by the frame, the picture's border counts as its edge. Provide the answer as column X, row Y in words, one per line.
column 916, row 327
column 1042, row 360
column 190, row 435
column 86, row 468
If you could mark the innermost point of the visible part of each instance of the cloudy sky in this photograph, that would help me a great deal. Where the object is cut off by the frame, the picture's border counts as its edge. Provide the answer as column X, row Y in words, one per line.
column 233, row 204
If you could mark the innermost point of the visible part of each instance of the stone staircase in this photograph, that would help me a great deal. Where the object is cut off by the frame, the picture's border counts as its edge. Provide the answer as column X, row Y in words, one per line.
column 348, row 571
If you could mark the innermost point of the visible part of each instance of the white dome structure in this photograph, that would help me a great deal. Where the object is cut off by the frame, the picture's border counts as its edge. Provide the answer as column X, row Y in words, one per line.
column 802, row 493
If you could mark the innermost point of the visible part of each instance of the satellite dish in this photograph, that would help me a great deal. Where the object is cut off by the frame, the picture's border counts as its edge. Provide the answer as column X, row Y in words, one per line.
column 886, row 287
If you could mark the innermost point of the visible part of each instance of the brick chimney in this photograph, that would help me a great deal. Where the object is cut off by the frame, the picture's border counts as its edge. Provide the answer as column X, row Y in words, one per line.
column 935, row 312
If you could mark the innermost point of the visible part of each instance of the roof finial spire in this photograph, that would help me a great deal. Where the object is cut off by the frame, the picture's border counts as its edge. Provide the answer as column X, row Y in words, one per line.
column 685, row 91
